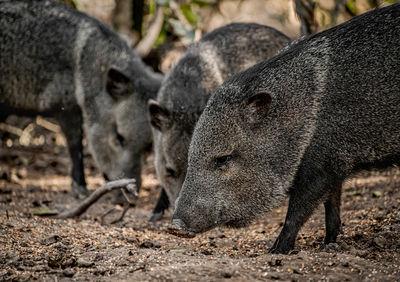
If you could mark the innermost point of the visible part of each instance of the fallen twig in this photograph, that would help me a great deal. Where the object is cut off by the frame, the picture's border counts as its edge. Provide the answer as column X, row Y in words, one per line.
column 128, row 184
column 48, row 125
column 127, row 205
column 11, row 129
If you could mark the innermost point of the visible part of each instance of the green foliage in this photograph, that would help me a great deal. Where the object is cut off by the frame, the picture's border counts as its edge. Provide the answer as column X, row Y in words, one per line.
column 183, row 24
column 44, row 211
column 188, row 13
column 186, row 35
column 323, row 20
column 162, row 37
column 152, row 7
column 74, row 3
column 377, row 194
column 201, row 3
column 351, row 6
column 178, row 251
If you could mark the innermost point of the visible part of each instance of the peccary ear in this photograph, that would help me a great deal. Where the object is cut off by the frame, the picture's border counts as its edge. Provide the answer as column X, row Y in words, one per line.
column 258, row 106
column 118, row 84
column 159, row 116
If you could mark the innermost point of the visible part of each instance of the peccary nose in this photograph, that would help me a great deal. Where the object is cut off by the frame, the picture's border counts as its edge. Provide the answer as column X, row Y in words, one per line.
column 179, row 228
column 178, row 224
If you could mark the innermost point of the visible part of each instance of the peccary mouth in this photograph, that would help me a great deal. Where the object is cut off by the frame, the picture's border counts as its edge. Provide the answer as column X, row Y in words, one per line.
column 178, row 228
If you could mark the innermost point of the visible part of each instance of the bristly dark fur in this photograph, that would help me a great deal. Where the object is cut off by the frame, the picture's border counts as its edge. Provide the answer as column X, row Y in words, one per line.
column 299, row 123
column 186, row 89
column 59, row 62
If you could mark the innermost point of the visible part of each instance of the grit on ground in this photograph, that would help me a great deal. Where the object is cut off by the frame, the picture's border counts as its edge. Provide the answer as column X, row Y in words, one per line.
column 34, row 177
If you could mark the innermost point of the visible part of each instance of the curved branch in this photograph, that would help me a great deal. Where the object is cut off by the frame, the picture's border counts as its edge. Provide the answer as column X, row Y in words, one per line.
column 146, row 43
column 128, row 184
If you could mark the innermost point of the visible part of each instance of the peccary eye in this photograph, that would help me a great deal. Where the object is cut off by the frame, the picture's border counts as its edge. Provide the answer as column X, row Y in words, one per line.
column 222, row 161
column 119, row 137
column 170, row 172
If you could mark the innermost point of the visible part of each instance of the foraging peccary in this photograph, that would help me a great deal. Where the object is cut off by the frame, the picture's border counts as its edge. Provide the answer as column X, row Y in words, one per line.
column 298, row 124
column 186, row 89
column 56, row 61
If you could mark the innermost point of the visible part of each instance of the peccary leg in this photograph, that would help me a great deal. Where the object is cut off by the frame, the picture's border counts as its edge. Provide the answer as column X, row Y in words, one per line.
column 161, row 206
column 3, row 112
column 332, row 216
column 299, row 210
column 3, row 117
column 71, row 125
column 304, row 199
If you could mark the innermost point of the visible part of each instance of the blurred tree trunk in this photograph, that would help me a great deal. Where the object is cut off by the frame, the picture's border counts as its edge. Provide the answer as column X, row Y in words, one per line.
column 122, row 18
column 317, row 15
column 137, row 15
column 305, row 11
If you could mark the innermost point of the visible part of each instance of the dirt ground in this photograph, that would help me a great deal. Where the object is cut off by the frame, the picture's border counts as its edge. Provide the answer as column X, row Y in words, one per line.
column 34, row 178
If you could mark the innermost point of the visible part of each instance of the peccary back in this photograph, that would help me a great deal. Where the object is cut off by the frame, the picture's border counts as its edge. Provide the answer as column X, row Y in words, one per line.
column 56, row 61
column 186, row 89
column 298, row 124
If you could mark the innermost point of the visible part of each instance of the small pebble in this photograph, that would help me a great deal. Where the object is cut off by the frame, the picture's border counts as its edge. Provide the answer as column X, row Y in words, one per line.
column 69, row 272
column 82, row 262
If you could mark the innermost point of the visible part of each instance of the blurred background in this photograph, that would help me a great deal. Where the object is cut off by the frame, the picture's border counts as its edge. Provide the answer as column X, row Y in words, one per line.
column 161, row 29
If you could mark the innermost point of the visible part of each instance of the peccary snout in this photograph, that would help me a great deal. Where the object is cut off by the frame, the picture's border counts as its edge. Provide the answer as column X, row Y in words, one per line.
column 179, row 224
column 180, row 229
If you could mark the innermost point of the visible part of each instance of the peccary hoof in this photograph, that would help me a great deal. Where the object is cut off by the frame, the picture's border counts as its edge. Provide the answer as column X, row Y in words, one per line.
column 177, row 229
column 278, row 251
column 281, row 247
column 156, row 216
column 79, row 191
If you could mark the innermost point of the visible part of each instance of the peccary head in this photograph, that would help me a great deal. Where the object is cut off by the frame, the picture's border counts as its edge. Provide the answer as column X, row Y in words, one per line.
column 171, row 143
column 249, row 141
column 55, row 60
column 173, row 123
column 113, row 87
column 187, row 88
column 121, row 135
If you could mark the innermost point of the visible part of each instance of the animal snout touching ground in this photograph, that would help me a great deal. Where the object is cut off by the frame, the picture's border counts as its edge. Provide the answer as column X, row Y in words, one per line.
column 179, row 228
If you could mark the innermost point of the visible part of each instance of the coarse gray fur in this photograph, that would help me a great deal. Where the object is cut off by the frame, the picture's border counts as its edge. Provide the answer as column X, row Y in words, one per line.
column 187, row 88
column 297, row 124
column 56, row 61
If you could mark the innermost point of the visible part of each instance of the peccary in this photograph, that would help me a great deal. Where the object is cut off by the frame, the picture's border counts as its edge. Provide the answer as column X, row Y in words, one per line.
column 186, row 89
column 297, row 124
column 56, row 61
